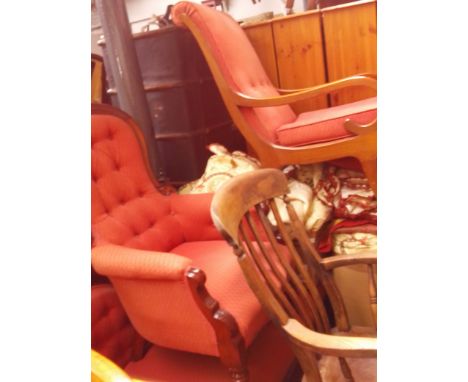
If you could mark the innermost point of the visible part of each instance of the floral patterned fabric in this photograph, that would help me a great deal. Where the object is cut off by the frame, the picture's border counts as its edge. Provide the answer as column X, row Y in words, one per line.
column 336, row 204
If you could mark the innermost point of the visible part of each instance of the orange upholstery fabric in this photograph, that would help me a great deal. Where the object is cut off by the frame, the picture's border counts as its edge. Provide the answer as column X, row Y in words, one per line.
column 326, row 124
column 239, row 64
column 126, row 207
column 165, row 313
column 226, row 284
column 112, row 335
column 174, row 320
column 268, row 360
column 192, row 212
column 124, row 262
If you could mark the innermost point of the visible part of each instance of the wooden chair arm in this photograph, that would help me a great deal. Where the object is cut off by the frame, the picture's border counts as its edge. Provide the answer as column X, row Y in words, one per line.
column 336, row 261
column 358, row 129
column 288, row 91
column 338, row 346
column 367, row 74
column 357, row 80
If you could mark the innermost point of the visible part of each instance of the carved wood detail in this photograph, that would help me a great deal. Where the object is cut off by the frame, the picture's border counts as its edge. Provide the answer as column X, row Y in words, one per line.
column 231, row 344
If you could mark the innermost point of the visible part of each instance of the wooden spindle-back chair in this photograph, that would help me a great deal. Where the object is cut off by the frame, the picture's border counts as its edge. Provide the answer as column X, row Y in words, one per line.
column 292, row 281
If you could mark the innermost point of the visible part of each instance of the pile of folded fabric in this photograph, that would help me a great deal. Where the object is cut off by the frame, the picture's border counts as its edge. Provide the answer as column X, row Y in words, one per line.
column 337, row 205
column 220, row 167
column 345, row 218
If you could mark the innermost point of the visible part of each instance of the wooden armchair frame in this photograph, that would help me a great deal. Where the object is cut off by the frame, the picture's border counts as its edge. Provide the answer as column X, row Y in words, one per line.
column 292, row 286
column 363, row 145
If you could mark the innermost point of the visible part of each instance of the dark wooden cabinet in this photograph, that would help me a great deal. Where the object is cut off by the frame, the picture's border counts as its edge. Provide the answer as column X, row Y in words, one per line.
column 185, row 106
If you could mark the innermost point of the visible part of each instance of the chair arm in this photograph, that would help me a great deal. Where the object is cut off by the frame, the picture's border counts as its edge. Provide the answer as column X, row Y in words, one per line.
column 336, row 261
column 288, row 91
column 338, row 346
column 302, row 94
column 192, row 211
column 130, row 263
column 368, row 74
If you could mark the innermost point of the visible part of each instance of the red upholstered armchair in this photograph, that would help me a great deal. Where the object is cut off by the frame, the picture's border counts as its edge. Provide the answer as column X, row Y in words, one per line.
column 171, row 270
column 263, row 114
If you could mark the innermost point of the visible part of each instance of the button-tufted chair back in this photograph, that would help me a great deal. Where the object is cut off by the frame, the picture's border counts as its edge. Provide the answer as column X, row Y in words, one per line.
column 239, row 63
column 127, row 208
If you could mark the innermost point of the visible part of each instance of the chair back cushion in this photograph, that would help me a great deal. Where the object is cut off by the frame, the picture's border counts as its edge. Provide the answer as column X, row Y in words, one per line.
column 238, row 63
column 127, row 209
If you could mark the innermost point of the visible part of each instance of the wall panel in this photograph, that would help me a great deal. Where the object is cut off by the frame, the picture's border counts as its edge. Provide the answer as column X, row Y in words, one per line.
column 351, row 44
column 299, row 54
column 261, row 37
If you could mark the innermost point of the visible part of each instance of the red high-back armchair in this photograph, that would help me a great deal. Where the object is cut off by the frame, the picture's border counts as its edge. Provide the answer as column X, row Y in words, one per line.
column 172, row 271
column 263, row 113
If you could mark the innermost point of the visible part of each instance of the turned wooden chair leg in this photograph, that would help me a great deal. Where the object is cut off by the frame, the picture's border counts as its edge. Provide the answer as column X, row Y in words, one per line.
column 373, row 292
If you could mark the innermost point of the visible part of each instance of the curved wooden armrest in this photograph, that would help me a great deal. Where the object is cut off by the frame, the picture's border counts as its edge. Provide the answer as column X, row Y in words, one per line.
column 338, row 346
column 289, row 91
column 367, row 74
column 345, row 260
column 358, row 80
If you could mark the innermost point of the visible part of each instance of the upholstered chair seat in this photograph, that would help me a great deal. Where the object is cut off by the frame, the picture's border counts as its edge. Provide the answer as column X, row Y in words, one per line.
column 326, row 125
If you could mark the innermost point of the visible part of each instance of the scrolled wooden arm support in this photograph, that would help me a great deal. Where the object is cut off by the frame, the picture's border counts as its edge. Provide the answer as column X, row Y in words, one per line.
column 231, row 344
column 302, row 94
column 356, row 128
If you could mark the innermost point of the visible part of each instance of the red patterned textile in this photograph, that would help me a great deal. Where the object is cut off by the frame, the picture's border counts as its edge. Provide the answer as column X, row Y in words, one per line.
column 348, row 193
column 343, row 226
